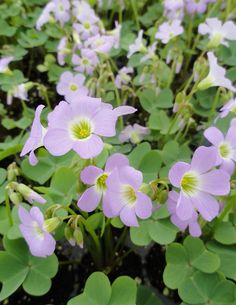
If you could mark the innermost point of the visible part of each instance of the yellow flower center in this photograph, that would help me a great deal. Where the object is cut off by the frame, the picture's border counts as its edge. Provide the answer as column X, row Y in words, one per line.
column 101, row 182
column 87, row 25
column 85, row 61
column 224, row 150
column 73, row 87
column 81, row 130
column 129, row 195
column 190, row 183
column 38, row 230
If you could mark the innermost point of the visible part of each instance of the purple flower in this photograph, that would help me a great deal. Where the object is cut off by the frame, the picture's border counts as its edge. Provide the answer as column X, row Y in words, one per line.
column 196, row 6
column 4, row 62
column 216, row 76
column 230, row 106
column 191, row 223
column 135, row 133
column 100, row 43
column 225, row 146
column 137, row 46
column 17, row 92
column 174, row 9
column 62, row 51
column 61, row 10
column 169, row 30
column 124, row 198
column 116, row 35
column 198, row 182
column 80, row 126
column 233, row 123
column 151, row 53
column 96, row 177
column 71, row 86
column 87, row 26
column 123, row 77
column 218, row 32
column 45, row 15
column 81, row 8
column 35, row 139
column 86, row 62
column 40, row 242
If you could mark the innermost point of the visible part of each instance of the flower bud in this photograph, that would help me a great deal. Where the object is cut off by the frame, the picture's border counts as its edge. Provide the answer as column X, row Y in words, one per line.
column 15, row 198
column 51, row 224
column 29, row 195
column 68, row 231
column 78, row 236
column 12, row 172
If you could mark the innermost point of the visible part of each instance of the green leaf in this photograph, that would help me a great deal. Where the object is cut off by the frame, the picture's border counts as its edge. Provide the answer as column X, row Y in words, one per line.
column 207, row 289
column 151, row 101
column 162, row 231
column 3, row 175
column 225, row 233
column 97, row 291
column 136, row 156
column 140, row 235
column 199, row 257
column 177, row 268
column 11, row 151
column 46, row 166
column 124, row 291
column 18, row 266
column 32, row 38
column 146, row 296
column 151, row 162
column 227, row 256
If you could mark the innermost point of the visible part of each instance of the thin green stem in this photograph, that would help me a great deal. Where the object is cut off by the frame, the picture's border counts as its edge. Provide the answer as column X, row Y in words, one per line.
column 135, row 12
column 8, row 208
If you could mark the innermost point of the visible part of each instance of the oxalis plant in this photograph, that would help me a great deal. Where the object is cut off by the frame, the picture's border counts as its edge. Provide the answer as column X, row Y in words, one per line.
column 118, row 151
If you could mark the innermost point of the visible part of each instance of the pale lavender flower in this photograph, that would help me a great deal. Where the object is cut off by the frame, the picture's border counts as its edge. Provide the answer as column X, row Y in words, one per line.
column 62, row 51
column 225, row 146
column 198, row 182
column 96, row 177
column 123, row 77
column 124, row 198
column 196, row 6
column 17, row 92
column 87, row 26
column 174, row 9
column 169, row 30
column 218, row 32
column 80, row 126
column 35, row 139
column 71, row 85
column 151, row 53
column 45, row 15
column 40, row 242
column 4, row 62
column 116, row 35
column 137, row 46
column 191, row 223
column 230, row 106
column 80, row 8
column 135, row 133
column 61, row 10
column 100, row 43
column 86, row 62
column 216, row 76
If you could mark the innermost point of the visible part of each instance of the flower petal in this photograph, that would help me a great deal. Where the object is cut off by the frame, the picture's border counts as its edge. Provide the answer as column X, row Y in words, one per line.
column 143, row 206
column 204, row 158
column 128, row 217
column 184, row 208
column 89, row 148
column 131, row 176
column 116, row 160
column 207, row 205
column 216, row 182
column 57, row 141
column 90, row 173
column 105, row 123
column 214, row 135
column 89, row 200
column 177, row 171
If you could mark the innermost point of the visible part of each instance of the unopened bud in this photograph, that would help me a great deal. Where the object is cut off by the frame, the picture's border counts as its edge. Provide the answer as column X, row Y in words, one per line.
column 15, row 198
column 12, row 172
column 29, row 195
column 78, row 236
column 51, row 224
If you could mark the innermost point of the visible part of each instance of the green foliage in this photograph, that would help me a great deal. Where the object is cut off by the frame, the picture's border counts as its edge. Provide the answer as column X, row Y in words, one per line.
column 32, row 272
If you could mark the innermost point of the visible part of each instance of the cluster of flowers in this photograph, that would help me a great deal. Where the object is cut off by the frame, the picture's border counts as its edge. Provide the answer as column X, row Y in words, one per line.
column 80, row 122
column 89, row 36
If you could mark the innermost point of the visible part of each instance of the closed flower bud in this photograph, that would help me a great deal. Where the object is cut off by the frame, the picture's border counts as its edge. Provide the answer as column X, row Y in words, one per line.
column 29, row 195
column 15, row 198
column 68, row 231
column 12, row 172
column 78, row 236
column 51, row 224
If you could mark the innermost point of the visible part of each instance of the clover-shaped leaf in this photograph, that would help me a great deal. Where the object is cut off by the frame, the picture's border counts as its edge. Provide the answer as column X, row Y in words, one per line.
column 98, row 291
column 183, row 260
column 18, row 266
